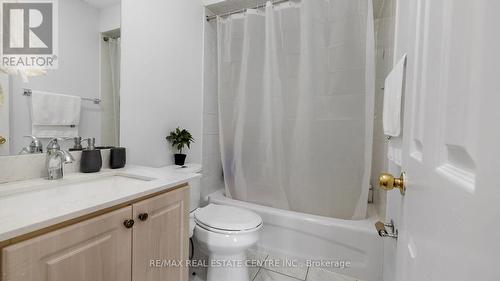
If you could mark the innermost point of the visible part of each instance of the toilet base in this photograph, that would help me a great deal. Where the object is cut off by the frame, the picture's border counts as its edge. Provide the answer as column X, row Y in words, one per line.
column 227, row 268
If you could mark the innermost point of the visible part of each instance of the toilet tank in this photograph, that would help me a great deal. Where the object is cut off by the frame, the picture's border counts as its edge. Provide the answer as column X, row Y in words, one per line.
column 195, row 184
column 195, row 194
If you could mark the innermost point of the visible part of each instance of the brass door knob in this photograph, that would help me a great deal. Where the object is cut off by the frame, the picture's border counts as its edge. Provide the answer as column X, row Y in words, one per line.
column 389, row 182
column 2, row 140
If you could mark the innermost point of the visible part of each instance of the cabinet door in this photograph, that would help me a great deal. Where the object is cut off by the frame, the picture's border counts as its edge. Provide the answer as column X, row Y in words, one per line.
column 162, row 236
column 98, row 249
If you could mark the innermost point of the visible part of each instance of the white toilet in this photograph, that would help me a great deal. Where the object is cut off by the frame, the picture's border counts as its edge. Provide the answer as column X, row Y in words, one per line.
column 223, row 233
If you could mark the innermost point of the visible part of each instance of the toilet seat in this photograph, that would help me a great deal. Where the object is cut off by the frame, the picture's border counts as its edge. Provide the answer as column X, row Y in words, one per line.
column 227, row 232
column 227, row 219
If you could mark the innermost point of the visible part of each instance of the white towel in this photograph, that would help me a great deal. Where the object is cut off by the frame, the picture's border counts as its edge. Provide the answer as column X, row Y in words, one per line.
column 392, row 99
column 55, row 115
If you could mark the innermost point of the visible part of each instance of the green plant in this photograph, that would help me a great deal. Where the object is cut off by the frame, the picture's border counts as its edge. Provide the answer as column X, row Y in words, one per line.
column 180, row 138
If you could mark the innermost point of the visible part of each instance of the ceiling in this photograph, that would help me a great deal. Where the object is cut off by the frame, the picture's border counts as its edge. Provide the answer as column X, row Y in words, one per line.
column 99, row 4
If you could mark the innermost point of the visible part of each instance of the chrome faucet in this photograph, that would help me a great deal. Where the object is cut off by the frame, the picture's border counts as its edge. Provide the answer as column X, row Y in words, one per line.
column 35, row 146
column 56, row 157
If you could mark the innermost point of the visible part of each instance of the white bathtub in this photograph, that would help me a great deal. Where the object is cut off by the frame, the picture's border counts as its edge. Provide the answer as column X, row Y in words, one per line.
column 310, row 237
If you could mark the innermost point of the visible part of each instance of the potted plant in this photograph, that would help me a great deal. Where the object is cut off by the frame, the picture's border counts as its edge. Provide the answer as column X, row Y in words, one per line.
column 180, row 138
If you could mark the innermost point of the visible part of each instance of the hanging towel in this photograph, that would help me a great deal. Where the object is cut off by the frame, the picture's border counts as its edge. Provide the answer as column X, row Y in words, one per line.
column 55, row 115
column 392, row 99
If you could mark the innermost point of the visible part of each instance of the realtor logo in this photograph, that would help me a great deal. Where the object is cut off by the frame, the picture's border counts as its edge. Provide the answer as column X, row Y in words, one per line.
column 29, row 33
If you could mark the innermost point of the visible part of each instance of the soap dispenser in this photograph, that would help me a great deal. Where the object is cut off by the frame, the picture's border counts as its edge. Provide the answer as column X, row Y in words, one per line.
column 78, row 144
column 91, row 161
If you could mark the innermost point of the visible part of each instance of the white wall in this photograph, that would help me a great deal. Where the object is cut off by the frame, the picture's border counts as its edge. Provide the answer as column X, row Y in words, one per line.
column 161, row 77
column 78, row 72
column 110, row 18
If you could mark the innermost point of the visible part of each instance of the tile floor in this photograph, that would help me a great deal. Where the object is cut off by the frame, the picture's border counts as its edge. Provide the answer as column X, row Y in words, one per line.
column 275, row 269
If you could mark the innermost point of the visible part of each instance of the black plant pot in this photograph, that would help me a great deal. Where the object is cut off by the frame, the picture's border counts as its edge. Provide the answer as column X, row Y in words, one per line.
column 180, row 159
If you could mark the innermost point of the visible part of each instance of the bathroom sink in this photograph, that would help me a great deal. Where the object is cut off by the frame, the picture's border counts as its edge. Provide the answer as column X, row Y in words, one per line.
column 74, row 181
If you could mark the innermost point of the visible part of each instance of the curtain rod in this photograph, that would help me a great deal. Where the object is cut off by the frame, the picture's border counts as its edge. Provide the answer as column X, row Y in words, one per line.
column 28, row 92
column 209, row 18
column 106, row 38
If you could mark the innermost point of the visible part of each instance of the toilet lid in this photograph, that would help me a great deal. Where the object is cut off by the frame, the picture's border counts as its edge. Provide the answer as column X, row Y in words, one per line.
column 227, row 218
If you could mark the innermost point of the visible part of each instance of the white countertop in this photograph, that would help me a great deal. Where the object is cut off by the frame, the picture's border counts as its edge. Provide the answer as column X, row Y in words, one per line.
column 31, row 205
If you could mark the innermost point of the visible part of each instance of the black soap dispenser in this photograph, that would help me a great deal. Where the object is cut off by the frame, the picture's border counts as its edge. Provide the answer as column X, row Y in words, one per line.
column 91, row 161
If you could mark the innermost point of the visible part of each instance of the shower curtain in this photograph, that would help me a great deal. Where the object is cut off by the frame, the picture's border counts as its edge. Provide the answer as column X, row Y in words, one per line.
column 296, row 98
column 114, row 62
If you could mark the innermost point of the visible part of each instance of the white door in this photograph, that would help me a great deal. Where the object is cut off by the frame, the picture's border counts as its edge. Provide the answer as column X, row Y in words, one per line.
column 4, row 115
column 449, row 219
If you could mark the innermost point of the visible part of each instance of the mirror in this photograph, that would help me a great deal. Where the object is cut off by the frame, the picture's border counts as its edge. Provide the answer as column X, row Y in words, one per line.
column 88, row 66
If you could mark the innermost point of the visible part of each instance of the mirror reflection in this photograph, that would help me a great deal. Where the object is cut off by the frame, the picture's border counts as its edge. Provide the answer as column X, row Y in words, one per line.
column 77, row 101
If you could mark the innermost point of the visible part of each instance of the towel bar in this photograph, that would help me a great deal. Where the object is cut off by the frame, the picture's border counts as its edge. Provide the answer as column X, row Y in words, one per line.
column 28, row 92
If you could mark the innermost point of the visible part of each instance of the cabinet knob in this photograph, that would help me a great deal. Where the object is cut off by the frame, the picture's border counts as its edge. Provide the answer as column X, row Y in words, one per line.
column 143, row 216
column 128, row 223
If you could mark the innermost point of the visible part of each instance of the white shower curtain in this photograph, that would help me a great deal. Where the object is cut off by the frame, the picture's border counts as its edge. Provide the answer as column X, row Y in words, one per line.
column 296, row 98
column 114, row 61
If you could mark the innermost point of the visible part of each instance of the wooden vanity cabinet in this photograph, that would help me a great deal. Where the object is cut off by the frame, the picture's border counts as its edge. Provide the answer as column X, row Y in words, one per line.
column 109, row 247
column 96, row 249
column 160, row 237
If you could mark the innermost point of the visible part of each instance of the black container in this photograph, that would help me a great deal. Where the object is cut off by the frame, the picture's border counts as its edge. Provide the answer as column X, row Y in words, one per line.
column 118, row 157
column 180, row 159
column 91, row 161
column 104, row 147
